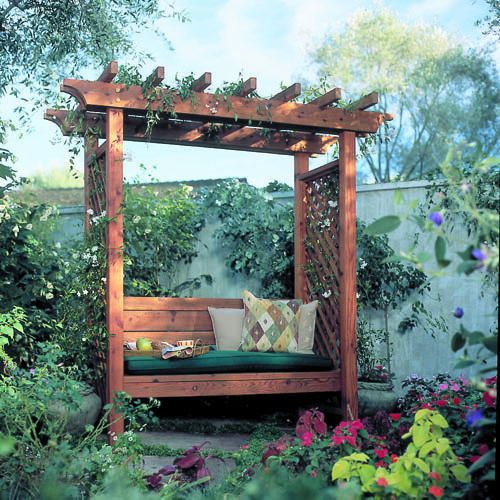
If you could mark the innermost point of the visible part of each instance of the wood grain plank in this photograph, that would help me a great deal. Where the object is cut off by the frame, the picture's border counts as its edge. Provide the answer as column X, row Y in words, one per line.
column 109, row 73
column 180, row 304
column 114, row 247
column 347, row 256
column 165, row 321
column 301, row 165
column 231, row 384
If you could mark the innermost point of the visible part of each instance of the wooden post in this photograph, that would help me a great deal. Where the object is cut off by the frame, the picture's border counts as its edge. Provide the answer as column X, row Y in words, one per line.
column 90, row 148
column 347, row 255
column 301, row 165
column 114, row 247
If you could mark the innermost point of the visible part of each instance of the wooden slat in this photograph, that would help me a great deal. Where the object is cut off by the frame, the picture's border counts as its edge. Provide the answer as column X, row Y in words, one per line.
column 194, row 134
column 114, row 248
column 288, row 94
column 365, row 102
column 202, row 82
column 330, row 97
column 109, row 73
column 164, row 321
column 318, row 172
column 99, row 153
column 347, row 255
column 181, row 304
column 96, row 96
column 207, row 337
column 248, row 87
column 231, row 384
column 157, row 76
column 301, row 165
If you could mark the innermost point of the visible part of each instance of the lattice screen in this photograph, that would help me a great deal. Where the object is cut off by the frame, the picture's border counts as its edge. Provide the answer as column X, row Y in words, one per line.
column 322, row 268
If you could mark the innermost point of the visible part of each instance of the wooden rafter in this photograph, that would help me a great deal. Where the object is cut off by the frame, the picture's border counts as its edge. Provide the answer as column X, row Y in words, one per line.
column 195, row 134
column 109, row 73
column 288, row 94
column 248, row 87
column 157, row 76
column 365, row 102
column 330, row 97
column 96, row 96
column 202, row 82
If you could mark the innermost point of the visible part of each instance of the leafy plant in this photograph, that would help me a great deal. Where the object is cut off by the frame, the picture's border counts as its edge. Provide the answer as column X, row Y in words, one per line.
column 428, row 465
column 10, row 323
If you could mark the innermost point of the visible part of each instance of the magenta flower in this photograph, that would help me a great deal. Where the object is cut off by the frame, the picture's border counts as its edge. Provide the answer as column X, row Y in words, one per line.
column 458, row 313
column 307, row 439
column 436, row 217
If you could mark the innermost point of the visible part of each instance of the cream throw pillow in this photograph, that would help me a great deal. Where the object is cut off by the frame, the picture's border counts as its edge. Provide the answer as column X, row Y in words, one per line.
column 228, row 327
column 307, row 325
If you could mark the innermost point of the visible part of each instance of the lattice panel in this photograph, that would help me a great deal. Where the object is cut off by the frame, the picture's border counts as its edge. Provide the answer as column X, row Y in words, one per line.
column 322, row 268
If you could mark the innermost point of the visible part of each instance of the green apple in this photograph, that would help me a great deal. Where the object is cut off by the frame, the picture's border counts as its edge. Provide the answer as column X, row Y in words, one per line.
column 144, row 345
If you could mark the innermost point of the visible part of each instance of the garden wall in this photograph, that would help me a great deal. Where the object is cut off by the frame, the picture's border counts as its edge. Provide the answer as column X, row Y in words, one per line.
column 416, row 351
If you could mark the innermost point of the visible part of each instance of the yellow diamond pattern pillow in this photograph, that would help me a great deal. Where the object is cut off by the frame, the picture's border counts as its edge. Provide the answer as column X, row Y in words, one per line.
column 270, row 325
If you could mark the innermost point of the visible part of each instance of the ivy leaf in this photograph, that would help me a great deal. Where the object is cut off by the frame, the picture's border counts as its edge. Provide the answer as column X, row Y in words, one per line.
column 383, row 225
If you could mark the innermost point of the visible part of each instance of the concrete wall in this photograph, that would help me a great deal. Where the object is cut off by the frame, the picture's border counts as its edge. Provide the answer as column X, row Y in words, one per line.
column 416, row 351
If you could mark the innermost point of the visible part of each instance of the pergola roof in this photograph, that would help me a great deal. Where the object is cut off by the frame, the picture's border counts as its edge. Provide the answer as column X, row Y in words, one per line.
column 276, row 125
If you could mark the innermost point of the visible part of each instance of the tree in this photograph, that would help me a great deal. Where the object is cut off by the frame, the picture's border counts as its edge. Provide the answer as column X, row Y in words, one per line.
column 439, row 91
column 41, row 42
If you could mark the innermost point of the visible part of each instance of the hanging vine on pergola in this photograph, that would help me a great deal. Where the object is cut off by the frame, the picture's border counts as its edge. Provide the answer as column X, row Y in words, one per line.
column 325, row 215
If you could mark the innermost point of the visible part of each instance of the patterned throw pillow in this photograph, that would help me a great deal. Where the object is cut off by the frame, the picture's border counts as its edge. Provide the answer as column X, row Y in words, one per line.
column 270, row 325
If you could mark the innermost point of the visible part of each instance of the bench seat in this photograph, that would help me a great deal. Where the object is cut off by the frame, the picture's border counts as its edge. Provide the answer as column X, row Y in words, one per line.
column 228, row 362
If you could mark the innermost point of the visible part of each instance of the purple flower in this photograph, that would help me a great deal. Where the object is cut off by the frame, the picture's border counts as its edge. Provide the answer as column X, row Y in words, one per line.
column 436, row 217
column 32, row 371
column 458, row 313
column 478, row 255
column 473, row 417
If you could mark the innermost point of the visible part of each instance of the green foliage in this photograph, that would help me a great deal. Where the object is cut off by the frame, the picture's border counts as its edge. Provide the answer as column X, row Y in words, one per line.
column 428, row 453
column 257, row 234
column 30, row 272
column 11, row 323
column 418, row 71
column 160, row 232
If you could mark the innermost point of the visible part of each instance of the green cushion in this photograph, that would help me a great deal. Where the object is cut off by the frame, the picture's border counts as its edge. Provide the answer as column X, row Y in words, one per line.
column 227, row 362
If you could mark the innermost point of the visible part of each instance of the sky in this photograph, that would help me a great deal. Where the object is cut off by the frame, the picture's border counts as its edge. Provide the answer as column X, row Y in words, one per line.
column 268, row 39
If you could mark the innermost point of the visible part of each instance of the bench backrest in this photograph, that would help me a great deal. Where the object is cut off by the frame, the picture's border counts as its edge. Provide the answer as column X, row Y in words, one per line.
column 171, row 319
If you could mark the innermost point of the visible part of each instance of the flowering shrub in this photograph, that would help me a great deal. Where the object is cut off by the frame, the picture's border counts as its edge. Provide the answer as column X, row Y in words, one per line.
column 428, row 466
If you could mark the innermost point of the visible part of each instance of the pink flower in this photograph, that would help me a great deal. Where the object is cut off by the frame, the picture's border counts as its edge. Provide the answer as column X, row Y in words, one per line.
column 244, row 446
column 443, row 387
column 435, row 475
column 483, row 448
column 395, row 416
column 441, row 402
column 381, row 452
column 394, row 458
column 357, row 425
column 382, row 481
column 351, row 440
column 380, row 463
column 455, row 387
column 307, row 439
column 489, row 398
column 313, row 473
column 456, row 401
column 436, row 491
column 337, row 440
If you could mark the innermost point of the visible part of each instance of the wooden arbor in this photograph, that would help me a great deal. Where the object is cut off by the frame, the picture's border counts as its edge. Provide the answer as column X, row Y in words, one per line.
column 325, row 216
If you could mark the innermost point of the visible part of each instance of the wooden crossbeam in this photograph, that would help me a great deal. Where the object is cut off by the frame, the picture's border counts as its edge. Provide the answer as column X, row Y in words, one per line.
column 109, row 73
column 202, row 82
column 319, row 172
column 157, row 76
column 96, row 96
column 288, row 94
column 194, row 134
column 365, row 102
column 330, row 97
column 248, row 87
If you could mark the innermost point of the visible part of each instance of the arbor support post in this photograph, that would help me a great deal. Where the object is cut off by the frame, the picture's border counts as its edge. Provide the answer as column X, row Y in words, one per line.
column 114, row 252
column 90, row 149
column 301, row 166
column 347, row 256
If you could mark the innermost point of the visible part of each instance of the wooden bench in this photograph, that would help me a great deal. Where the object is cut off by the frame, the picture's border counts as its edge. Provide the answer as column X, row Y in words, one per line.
column 173, row 319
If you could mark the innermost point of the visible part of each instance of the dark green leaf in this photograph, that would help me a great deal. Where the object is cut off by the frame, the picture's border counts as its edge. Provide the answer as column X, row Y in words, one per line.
column 457, row 342
column 491, row 343
column 383, row 225
column 440, row 248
